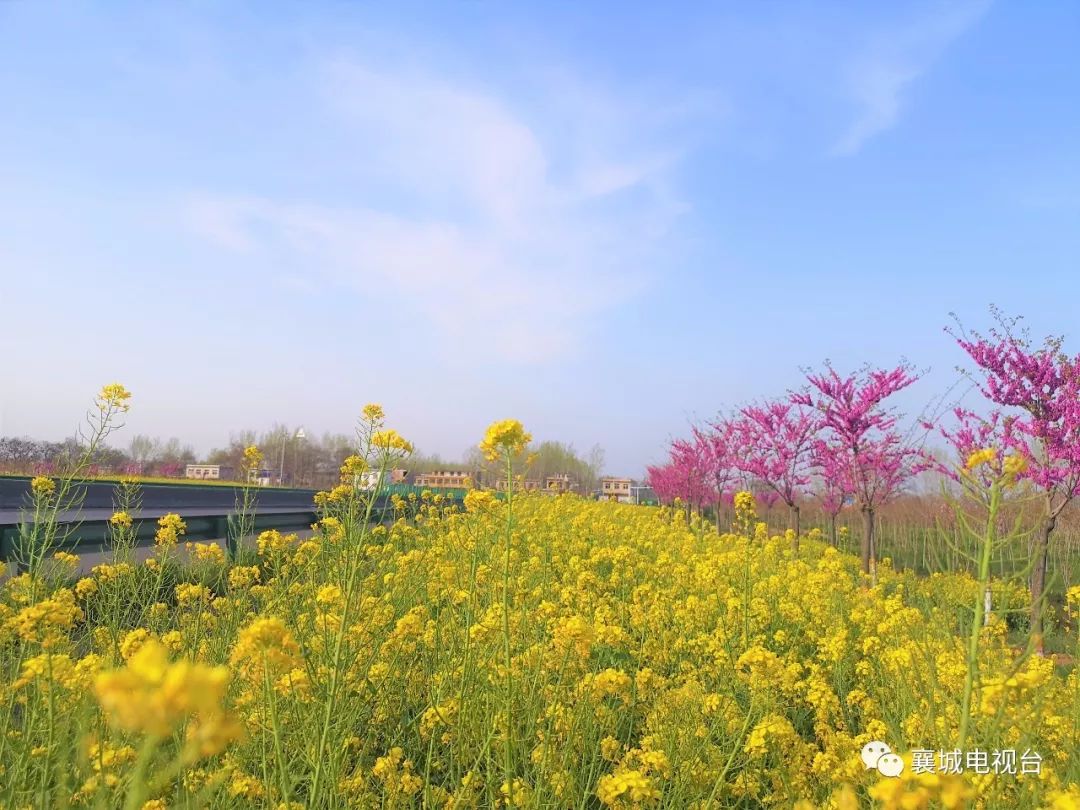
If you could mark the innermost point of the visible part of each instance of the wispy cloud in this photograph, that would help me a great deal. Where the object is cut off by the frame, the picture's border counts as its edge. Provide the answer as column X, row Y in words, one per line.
column 467, row 212
column 876, row 81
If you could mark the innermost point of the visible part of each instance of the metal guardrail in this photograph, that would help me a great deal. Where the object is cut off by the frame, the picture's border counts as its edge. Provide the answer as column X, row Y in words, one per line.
column 206, row 510
column 89, row 531
column 15, row 494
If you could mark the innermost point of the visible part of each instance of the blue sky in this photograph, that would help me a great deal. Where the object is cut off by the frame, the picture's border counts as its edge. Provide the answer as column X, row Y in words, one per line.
column 604, row 219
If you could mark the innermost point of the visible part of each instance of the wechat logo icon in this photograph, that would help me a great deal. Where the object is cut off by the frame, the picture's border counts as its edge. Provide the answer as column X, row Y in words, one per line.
column 878, row 756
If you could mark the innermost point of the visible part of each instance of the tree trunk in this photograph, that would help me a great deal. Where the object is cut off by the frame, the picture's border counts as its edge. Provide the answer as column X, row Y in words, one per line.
column 866, row 542
column 793, row 524
column 1038, row 581
column 718, row 529
column 832, row 530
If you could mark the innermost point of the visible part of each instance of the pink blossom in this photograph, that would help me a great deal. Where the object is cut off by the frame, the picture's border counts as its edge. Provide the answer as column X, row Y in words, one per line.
column 864, row 453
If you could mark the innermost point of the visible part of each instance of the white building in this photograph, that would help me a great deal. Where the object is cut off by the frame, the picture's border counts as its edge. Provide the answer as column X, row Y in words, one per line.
column 210, row 472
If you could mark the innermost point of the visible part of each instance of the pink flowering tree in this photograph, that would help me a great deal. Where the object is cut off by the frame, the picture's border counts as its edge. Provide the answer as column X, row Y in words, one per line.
column 971, row 434
column 833, row 481
column 685, row 476
column 691, row 458
column 862, row 430
column 171, row 469
column 665, row 481
column 717, row 448
column 1041, row 386
column 987, row 467
column 775, row 444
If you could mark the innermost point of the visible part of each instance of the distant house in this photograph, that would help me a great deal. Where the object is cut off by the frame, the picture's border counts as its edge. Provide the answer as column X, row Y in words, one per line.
column 526, row 484
column 210, row 472
column 558, row 483
column 261, row 478
column 444, row 479
column 373, row 479
column 617, row 489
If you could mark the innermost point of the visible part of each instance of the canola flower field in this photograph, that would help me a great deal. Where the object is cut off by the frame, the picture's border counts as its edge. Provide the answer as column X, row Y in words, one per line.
column 537, row 652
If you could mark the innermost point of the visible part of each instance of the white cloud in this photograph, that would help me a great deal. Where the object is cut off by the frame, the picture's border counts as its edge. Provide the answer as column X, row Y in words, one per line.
column 877, row 89
column 877, row 80
column 466, row 213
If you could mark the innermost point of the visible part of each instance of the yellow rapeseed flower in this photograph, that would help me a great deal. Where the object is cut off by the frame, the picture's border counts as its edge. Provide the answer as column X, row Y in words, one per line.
column 190, row 595
column 272, row 542
column 121, row 520
column 86, row 587
column 506, row 436
column 266, row 643
column 253, row 458
column 352, row 467
column 170, row 528
column 153, row 696
column 1014, row 466
column 985, row 456
column 745, row 512
column 479, row 500
column 206, row 552
column 243, row 576
column 47, row 620
column 630, row 786
column 390, row 441
column 113, row 397
column 133, row 641
column 43, row 487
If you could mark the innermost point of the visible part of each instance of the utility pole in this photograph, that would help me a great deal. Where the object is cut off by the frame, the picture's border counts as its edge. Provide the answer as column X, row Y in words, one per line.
column 300, row 435
column 284, row 443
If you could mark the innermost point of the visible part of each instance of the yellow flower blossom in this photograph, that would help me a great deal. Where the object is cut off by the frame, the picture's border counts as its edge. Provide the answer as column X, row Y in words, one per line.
column 1014, row 466
column 252, row 459
column 266, row 643
column 979, row 457
column 191, row 595
column 507, row 436
column 630, row 786
column 479, row 500
column 121, row 520
column 353, row 467
column 86, row 587
column 48, row 620
column 153, row 696
column 113, row 397
column 43, row 487
column 243, row 576
column 390, row 441
column 170, row 528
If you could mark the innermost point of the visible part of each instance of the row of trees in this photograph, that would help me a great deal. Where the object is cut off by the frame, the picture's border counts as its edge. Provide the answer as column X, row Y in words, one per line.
column 289, row 453
column 144, row 455
column 548, row 458
column 836, row 440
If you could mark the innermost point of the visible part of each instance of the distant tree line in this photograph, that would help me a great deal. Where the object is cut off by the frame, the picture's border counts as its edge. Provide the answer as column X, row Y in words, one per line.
column 143, row 456
column 304, row 460
column 548, row 458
